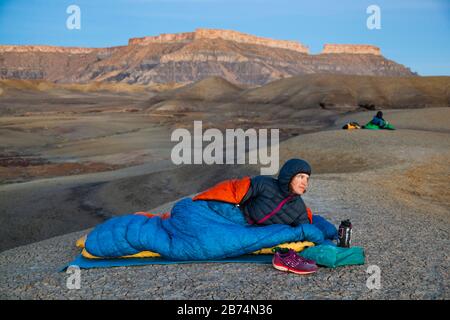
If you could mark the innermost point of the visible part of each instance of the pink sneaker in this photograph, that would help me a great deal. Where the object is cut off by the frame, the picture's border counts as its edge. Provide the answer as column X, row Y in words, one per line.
column 290, row 261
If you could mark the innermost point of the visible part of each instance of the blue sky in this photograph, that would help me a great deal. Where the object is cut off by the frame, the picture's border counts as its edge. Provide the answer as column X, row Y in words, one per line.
column 414, row 33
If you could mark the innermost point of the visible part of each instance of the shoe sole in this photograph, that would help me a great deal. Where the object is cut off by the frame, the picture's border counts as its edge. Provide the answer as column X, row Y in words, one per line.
column 281, row 268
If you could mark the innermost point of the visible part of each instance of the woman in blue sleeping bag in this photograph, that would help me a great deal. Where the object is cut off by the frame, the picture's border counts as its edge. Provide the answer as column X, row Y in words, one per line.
column 267, row 212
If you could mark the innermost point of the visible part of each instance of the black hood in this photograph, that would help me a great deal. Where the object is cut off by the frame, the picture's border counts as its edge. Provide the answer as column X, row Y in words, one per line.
column 289, row 170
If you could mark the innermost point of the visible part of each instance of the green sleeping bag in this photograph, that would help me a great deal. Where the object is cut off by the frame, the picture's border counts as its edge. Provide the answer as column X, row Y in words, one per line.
column 372, row 126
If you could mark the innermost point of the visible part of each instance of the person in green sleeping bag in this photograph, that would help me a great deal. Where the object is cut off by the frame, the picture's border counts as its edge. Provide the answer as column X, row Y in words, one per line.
column 378, row 123
column 378, row 120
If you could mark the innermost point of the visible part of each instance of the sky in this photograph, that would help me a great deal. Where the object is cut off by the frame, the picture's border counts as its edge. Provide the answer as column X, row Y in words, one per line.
column 411, row 32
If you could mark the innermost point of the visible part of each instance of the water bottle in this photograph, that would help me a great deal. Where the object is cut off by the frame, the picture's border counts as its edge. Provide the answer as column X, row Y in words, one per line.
column 345, row 234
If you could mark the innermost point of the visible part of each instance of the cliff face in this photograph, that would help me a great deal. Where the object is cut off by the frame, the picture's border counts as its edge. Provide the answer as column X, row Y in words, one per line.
column 351, row 48
column 229, row 35
column 192, row 56
column 165, row 37
column 46, row 49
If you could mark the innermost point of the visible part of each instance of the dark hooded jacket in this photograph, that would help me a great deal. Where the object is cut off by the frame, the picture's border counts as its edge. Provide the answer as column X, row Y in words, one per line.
column 266, row 193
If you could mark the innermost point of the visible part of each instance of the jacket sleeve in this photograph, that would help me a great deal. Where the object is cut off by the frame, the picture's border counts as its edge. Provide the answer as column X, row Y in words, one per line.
column 255, row 189
column 310, row 218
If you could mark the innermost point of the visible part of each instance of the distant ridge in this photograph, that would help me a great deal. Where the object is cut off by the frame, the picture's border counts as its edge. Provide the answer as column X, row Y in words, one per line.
column 192, row 56
column 321, row 91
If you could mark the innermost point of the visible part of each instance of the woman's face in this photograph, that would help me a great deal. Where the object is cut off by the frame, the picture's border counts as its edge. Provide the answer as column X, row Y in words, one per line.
column 299, row 183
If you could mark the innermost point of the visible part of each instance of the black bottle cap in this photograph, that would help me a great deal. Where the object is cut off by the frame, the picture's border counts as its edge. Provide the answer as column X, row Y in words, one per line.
column 346, row 223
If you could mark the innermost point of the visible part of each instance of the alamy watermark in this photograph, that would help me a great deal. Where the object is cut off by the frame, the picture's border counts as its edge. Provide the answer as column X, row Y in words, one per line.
column 374, row 281
column 374, row 20
column 74, row 20
column 74, row 280
column 190, row 149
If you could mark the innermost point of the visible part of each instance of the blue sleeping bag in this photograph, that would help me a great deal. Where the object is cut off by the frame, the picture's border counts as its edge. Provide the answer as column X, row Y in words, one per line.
column 196, row 230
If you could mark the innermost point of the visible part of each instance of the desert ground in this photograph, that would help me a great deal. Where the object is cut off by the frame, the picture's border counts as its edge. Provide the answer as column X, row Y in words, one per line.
column 391, row 184
column 64, row 172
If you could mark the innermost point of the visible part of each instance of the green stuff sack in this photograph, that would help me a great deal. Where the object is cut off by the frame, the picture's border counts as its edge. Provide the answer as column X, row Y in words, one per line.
column 332, row 256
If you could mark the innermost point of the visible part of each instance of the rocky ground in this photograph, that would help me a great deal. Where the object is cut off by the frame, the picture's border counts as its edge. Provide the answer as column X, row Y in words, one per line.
column 391, row 184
